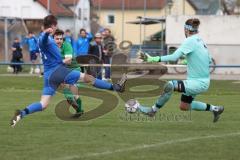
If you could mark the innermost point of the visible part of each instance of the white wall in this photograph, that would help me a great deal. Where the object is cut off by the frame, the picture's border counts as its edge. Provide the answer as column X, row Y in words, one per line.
column 226, row 55
column 66, row 23
column 213, row 29
column 83, row 18
column 26, row 9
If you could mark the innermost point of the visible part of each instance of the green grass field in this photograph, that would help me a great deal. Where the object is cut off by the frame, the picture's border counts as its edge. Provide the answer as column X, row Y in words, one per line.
column 43, row 136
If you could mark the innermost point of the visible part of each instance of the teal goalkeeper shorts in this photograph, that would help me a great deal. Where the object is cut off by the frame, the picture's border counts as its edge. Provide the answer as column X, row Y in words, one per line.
column 194, row 87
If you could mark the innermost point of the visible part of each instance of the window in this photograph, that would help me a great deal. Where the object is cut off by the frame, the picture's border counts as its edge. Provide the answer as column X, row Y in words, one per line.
column 85, row 14
column 5, row 11
column 111, row 19
column 79, row 13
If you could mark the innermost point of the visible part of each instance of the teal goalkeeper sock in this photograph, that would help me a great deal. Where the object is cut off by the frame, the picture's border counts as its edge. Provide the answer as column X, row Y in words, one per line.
column 167, row 92
column 144, row 109
column 163, row 99
column 200, row 106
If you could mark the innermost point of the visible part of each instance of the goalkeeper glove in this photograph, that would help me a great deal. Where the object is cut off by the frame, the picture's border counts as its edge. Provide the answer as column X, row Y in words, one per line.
column 146, row 57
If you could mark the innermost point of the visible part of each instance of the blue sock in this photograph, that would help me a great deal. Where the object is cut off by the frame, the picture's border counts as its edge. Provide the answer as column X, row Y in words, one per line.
column 34, row 107
column 103, row 84
column 199, row 106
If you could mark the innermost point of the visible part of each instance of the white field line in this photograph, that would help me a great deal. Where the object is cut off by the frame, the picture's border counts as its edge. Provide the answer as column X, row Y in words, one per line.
column 19, row 90
column 236, row 82
column 146, row 146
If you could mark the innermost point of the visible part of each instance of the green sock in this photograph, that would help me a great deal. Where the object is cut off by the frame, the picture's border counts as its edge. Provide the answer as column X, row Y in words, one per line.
column 79, row 102
column 68, row 94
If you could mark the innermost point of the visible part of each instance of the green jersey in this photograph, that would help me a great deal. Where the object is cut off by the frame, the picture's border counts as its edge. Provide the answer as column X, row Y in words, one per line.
column 67, row 52
column 197, row 55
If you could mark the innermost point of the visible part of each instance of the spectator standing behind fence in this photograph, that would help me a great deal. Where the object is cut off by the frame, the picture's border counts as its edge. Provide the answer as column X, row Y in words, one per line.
column 82, row 44
column 16, row 56
column 68, row 37
column 97, row 49
column 108, row 44
column 32, row 43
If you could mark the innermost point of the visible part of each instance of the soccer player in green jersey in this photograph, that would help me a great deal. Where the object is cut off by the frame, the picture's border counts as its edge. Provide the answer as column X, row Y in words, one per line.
column 70, row 61
column 198, row 76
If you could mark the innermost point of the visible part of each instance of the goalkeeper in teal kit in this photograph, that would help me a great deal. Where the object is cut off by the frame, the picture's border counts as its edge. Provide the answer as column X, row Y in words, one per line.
column 198, row 76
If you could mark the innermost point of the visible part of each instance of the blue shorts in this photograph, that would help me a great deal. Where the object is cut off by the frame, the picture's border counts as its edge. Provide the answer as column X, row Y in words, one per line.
column 59, row 75
column 33, row 55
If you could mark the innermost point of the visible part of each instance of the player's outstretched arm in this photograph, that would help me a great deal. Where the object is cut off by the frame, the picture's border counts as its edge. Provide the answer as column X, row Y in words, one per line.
column 172, row 57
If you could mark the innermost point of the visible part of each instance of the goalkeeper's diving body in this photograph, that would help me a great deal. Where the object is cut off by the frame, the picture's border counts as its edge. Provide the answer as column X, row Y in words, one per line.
column 56, row 73
column 198, row 76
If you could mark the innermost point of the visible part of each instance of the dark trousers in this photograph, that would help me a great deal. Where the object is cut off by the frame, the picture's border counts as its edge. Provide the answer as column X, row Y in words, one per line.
column 107, row 69
column 16, row 67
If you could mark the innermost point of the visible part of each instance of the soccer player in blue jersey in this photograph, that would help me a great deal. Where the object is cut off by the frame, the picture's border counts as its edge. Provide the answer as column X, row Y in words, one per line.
column 68, row 37
column 198, row 76
column 31, row 41
column 56, row 73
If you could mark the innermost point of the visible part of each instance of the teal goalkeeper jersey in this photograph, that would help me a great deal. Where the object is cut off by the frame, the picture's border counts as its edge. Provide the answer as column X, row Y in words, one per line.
column 198, row 57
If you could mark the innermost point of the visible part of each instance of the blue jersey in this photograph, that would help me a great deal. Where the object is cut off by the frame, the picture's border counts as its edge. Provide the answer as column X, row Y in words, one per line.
column 82, row 45
column 32, row 43
column 69, row 39
column 50, row 52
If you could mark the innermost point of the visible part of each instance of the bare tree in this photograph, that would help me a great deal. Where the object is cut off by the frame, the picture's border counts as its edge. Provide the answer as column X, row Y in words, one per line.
column 95, row 26
column 238, row 3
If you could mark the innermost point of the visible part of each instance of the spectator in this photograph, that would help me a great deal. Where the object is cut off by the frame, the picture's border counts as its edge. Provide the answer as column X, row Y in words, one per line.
column 109, row 46
column 68, row 37
column 32, row 43
column 40, row 59
column 83, row 42
column 97, row 49
column 16, row 56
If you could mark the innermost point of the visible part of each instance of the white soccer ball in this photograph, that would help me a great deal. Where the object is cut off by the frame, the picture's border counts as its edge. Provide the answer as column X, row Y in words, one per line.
column 9, row 69
column 37, row 70
column 132, row 106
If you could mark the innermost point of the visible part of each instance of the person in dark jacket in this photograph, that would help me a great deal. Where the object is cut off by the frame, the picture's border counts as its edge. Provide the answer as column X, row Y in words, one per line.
column 97, row 49
column 16, row 56
column 109, row 47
